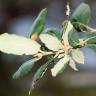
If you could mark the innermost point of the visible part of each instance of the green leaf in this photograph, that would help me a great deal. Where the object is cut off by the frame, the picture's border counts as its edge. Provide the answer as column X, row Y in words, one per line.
column 59, row 66
column 25, row 68
column 80, row 27
column 51, row 42
column 72, row 64
column 92, row 46
column 78, row 56
column 73, row 38
column 39, row 23
column 18, row 45
column 54, row 32
column 39, row 73
column 90, row 37
column 81, row 14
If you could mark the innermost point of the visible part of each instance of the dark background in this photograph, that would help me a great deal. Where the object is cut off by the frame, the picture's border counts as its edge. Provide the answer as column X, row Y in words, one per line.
column 16, row 16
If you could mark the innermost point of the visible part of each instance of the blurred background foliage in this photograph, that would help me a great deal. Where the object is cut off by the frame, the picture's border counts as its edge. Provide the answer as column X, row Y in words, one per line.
column 16, row 16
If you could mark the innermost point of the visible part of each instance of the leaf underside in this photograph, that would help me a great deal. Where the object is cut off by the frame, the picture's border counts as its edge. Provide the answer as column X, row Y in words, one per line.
column 18, row 45
column 51, row 42
column 78, row 56
column 59, row 66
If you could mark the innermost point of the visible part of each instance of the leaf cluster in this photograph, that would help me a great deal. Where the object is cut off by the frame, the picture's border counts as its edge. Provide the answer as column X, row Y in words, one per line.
column 62, row 47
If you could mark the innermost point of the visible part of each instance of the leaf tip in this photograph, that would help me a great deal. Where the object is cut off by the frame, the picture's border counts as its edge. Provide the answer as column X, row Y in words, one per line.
column 14, row 76
column 53, row 73
column 45, row 10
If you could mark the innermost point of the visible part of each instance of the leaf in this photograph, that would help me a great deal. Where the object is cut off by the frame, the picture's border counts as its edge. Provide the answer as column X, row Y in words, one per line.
column 92, row 46
column 68, row 27
column 90, row 37
column 59, row 66
column 72, row 64
column 80, row 27
column 82, row 14
column 40, row 72
column 73, row 38
column 54, row 32
column 78, row 56
column 18, row 45
column 25, row 68
column 39, row 23
column 51, row 42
